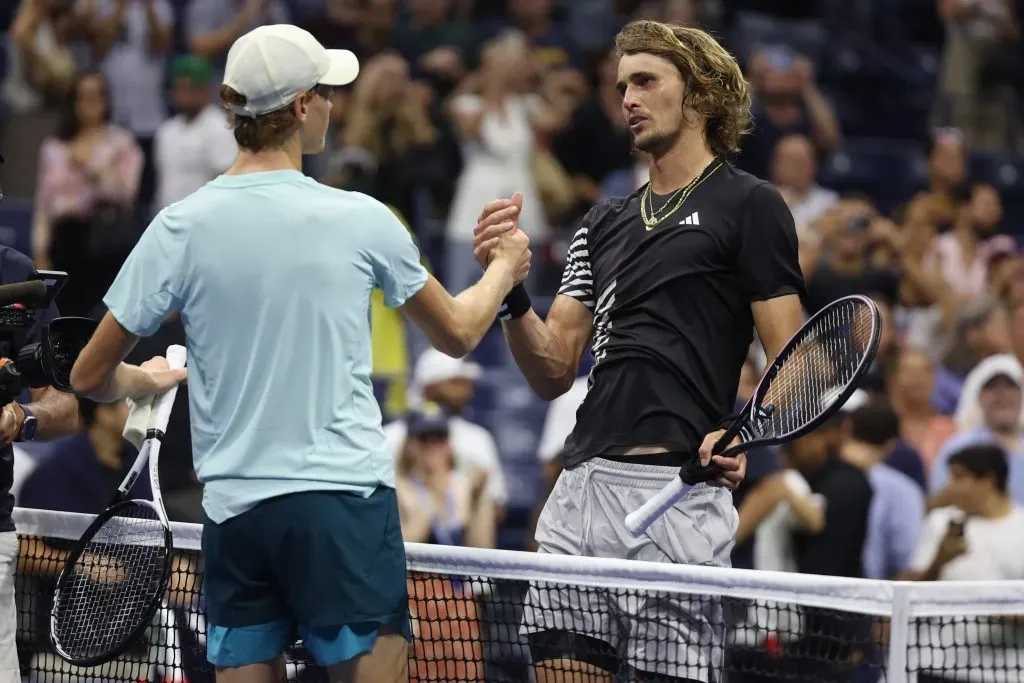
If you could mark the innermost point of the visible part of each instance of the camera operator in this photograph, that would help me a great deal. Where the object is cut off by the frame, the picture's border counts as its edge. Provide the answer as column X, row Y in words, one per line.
column 48, row 414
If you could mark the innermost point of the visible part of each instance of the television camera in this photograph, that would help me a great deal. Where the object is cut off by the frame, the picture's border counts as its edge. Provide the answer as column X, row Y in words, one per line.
column 47, row 362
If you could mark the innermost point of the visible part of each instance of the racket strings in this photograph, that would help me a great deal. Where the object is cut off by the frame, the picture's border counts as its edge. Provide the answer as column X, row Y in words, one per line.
column 112, row 585
column 818, row 369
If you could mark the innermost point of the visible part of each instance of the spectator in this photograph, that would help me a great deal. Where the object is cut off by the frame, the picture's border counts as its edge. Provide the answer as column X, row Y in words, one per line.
column 911, row 387
column 432, row 44
column 448, row 382
column 840, row 264
column 970, row 539
column 390, row 143
column 947, row 170
column 794, row 169
column 787, row 101
column 990, row 411
column 366, row 28
column 597, row 142
column 497, row 117
column 897, row 503
column 211, row 26
column 981, row 330
column 84, row 220
column 42, row 68
column 81, row 471
column 550, row 37
column 194, row 146
column 978, row 35
column 962, row 254
column 438, row 504
column 130, row 40
column 776, row 509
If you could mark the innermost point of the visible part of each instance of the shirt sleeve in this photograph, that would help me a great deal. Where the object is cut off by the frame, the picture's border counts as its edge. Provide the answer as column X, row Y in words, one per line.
column 768, row 263
column 934, row 529
column 578, row 276
column 150, row 285
column 907, row 529
column 397, row 269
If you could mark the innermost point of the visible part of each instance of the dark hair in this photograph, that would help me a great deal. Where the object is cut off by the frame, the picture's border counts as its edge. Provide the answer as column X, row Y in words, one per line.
column 874, row 423
column 715, row 86
column 262, row 132
column 68, row 125
column 985, row 460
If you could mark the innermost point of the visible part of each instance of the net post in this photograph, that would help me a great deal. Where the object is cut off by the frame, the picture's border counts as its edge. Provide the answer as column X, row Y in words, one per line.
column 899, row 632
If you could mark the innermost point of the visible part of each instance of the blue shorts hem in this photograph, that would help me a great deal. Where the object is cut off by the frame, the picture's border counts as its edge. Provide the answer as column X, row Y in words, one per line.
column 331, row 645
column 240, row 646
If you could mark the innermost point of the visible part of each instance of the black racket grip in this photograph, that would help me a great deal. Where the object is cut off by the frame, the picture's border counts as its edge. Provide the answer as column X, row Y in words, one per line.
column 692, row 472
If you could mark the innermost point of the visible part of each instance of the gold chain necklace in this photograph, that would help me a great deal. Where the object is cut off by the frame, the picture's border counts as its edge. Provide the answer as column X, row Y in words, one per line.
column 651, row 218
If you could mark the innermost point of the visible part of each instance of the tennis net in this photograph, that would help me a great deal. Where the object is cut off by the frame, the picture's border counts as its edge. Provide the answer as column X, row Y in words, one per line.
column 471, row 611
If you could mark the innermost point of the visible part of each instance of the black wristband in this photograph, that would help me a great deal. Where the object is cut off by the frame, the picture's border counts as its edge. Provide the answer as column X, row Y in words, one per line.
column 516, row 304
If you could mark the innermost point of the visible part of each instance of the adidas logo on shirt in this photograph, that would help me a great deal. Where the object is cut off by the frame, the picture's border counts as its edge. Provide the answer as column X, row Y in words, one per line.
column 692, row 219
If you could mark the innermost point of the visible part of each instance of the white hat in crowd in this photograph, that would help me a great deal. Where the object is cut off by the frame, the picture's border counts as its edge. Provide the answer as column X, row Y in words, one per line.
column 272, row 65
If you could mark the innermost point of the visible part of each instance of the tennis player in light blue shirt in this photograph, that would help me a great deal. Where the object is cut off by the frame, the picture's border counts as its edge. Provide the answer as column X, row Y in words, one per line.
column 272, row 274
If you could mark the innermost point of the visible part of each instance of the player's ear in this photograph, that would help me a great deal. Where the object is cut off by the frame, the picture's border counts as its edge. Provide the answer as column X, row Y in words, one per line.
column 302, row 105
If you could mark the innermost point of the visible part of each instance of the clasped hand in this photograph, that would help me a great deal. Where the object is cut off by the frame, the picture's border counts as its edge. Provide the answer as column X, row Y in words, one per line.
column 497, row 237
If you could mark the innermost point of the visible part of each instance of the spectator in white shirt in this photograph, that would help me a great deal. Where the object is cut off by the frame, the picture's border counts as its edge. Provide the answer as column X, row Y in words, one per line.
column 973, row 538
column 196, row 145
column 794, row 167
column 448, row 382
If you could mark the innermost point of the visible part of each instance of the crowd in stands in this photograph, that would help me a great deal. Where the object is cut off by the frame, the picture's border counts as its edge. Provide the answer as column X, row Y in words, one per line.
column 892, row 129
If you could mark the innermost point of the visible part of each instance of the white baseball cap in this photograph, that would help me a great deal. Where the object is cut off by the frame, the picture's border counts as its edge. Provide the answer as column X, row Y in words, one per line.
column 433, row 366
column 272, row 65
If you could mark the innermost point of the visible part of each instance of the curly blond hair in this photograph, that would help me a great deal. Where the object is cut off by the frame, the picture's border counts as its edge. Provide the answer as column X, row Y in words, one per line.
column 715, row 87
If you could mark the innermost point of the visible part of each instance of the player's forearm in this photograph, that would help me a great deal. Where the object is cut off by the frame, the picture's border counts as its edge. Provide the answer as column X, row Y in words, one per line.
column 474, row 310
column 126, row 381
column 544, row 361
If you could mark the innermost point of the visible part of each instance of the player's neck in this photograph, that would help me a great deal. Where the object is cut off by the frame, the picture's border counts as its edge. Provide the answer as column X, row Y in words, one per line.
column 285, row 158
column 681, row 164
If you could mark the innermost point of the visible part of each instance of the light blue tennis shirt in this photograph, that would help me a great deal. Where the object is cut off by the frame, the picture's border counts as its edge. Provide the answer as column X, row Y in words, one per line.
column 272, row 273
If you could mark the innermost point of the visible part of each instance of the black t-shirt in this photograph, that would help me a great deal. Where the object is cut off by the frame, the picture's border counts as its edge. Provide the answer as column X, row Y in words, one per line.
column 836, row 551
column 16, row 267
column 671, row 305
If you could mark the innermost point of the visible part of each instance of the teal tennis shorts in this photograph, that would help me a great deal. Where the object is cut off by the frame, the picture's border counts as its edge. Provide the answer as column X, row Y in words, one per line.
column 326, row 567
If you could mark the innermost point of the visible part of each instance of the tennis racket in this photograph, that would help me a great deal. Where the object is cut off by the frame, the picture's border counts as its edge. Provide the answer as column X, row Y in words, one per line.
column 114, row 579
column 811, row 379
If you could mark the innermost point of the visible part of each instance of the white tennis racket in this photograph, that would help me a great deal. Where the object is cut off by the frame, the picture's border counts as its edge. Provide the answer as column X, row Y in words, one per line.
column 114, row 579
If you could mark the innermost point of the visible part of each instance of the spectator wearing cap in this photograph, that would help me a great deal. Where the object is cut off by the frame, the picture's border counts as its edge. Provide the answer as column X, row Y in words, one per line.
column 897, row 503
column 974, row 537
column 194, row 146
column 449, row 382
column 990, row 411
column 981, row 330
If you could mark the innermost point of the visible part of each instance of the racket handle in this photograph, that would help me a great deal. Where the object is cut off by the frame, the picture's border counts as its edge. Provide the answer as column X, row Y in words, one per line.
column 163, row 404
column 639, row 520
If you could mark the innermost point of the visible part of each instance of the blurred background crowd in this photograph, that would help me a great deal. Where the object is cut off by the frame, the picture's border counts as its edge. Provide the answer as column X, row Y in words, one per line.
column 892, row 128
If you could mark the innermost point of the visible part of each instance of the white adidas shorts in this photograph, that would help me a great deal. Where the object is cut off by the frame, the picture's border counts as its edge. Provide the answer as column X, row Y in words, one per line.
column 672, row 635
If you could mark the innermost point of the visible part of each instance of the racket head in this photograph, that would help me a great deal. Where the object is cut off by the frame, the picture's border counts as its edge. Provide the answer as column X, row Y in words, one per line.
column 111, row 584
column 813, row 375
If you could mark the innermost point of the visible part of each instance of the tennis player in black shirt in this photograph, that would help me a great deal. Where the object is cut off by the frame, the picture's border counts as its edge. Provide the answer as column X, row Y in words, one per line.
column 671, row 283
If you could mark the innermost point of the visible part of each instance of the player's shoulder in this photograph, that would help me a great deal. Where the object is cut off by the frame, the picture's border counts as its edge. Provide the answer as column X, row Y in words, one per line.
column 746, row 191
column 606, row 212
column 349, row 204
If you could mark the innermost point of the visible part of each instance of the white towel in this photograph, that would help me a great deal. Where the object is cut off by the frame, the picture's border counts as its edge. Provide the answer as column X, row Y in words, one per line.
column 140, row 414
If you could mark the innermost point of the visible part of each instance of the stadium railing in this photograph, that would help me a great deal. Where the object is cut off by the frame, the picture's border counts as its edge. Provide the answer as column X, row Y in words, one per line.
column 699, row 623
